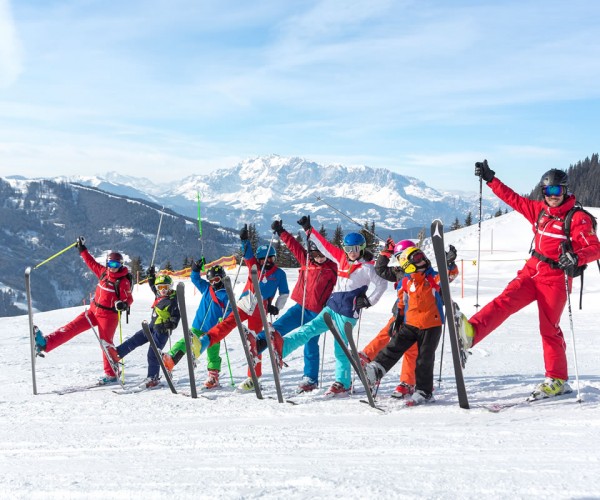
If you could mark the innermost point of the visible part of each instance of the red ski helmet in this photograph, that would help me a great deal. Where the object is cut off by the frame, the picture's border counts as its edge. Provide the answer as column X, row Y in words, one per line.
column 114, row 261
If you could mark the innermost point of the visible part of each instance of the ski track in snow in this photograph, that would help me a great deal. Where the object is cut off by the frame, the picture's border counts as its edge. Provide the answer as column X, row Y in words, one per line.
column 97, row 444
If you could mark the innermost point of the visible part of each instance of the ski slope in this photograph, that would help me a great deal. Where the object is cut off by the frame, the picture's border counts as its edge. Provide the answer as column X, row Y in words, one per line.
column 97, row 444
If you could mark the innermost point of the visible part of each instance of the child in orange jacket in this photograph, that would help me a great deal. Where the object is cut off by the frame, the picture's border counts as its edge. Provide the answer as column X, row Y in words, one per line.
column 395, row 274
column 421, row 309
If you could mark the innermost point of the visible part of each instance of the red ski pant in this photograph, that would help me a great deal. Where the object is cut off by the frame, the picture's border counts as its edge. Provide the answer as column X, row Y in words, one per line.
column 520, row 292
column 106, row 321
column 409, row 362
column 224, row 328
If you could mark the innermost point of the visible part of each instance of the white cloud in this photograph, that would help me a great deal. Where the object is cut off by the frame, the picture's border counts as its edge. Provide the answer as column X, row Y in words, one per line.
column 10, row 48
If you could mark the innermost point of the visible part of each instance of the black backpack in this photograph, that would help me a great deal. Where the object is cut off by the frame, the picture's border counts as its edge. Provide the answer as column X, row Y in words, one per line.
column 568, row 246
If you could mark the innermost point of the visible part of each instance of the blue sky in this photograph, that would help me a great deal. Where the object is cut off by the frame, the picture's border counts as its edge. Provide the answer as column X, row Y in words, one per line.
column 165, row 89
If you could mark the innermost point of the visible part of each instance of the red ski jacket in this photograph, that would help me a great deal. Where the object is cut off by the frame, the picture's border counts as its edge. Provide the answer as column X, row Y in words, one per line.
column 549, row 233
column 105, row 295
column 321, row 278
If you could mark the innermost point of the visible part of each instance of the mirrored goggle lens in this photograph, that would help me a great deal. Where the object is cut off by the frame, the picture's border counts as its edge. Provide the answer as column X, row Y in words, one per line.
column 554, row 190
column 163, row 286
column 270, row 257
column 417, row 257
column 316, row 255
column 352, row 248
column 216, row 279
column 113, row 264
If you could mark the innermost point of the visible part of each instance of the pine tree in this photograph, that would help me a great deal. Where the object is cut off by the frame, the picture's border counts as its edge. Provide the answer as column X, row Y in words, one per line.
column 136, row 268
column 455, row 225
column 253, row 237
column 323, row 231
column 498, row 212
column 338, row 237
column 421, row 237
column 168, row 266
column 368, row 232
column 469, row 219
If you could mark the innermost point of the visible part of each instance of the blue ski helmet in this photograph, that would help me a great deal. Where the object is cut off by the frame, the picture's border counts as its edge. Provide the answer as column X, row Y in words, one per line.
column 261, row 252
column 354, row 242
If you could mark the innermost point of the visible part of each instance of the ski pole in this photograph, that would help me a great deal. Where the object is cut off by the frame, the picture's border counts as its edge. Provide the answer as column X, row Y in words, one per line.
column 357, row 339
column 157, row 236
column 442, row 354
column 200, row 228
column 228, row 363
column 120, row 342
column 350, row 219
column 322, row 360
column 479, row 243
column 305, row 283
column 101, row 345
column 572, row 335
column 58, row 253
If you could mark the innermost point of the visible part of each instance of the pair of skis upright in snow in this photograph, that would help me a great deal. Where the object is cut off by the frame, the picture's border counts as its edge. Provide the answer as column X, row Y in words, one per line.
column 244, row 333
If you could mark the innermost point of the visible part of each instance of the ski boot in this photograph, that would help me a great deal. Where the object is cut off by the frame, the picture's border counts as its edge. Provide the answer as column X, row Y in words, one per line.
column 212, row 381
column 150, row 382
column 403, row 390
column 337, row 390
column 107, row 380
column 419, row 397
column 247, row 385
column 40, row 342
column 307, row 385
column 550, row 387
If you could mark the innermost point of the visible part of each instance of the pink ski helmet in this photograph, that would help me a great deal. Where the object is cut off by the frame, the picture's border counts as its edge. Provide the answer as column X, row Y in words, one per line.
column 401, row 246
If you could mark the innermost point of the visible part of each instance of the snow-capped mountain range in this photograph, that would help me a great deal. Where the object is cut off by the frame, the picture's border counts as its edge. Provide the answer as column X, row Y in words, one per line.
column 258, row 190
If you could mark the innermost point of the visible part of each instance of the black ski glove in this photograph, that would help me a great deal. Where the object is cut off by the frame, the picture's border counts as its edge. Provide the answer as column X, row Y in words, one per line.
column 80, row 246
column 277, row 227
column 304, row 221
column 450, row 256
column 198, row 265
column 395, row 326
column 121, row 305
column 483, row 170
column 362, row 302
column 568, row 261
column 244, row 235
column 274, row 310
column 151, row 273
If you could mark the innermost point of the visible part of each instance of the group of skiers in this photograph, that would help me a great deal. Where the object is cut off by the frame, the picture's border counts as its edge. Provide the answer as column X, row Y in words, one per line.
column 340, row 283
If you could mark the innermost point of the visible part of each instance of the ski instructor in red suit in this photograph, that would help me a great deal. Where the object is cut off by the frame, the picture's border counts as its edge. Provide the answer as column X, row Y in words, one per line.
column 542, row 279
column 113, row 295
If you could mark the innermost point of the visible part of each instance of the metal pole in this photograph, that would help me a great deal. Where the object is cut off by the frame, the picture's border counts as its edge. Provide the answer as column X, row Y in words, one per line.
column 157, row 236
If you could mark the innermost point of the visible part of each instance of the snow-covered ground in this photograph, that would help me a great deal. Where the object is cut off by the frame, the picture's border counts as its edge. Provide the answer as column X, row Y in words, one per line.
column 97, row 444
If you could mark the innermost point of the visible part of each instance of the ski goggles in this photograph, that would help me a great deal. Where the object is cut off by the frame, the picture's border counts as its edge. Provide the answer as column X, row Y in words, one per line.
column 215, row 280
column 554, row 190
column 413, row 262
column 315, row 254
column 270, row 258
column 162, row 287
column 352, row 248
column 114, row 264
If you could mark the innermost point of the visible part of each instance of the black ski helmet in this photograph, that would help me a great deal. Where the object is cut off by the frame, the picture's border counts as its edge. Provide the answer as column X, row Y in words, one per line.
column 216, row 272
column 555, row 177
